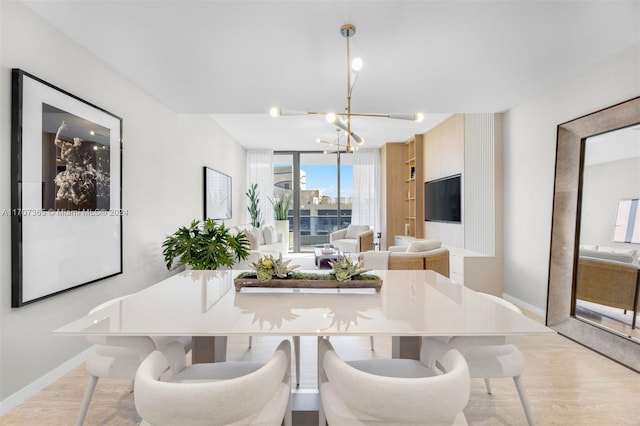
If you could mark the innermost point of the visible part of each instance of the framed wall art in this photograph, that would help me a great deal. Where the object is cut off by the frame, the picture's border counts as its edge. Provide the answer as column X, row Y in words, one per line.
column 217, row 195
column 66, row 202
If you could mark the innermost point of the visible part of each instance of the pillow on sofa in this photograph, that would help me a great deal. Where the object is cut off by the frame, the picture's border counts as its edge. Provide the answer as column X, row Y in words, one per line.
column 423, row 245
column 257, row 233
column 270, row 235
column 253, row 241
column 354, row 230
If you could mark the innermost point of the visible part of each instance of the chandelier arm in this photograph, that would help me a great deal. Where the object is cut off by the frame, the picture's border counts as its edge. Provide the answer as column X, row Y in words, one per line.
column 365, row 114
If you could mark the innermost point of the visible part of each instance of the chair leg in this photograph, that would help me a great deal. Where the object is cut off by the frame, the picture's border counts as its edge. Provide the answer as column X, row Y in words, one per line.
column 322, row 420
column 296, row 350
column 288, row 416
column 523, row 398
column 487, row 383
column 250, row 341
column 88, row 394
column 371, row 340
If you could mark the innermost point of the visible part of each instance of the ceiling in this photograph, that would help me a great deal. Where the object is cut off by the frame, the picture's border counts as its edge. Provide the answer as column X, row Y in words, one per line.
column 237, row 59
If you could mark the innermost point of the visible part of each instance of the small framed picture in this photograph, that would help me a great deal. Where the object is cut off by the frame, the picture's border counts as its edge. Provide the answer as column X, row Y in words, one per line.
column 217, row 195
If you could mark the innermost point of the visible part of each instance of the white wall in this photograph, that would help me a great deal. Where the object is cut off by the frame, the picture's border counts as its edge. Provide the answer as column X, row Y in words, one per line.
column 603, row 185
column 163, row 156
column 529, row 161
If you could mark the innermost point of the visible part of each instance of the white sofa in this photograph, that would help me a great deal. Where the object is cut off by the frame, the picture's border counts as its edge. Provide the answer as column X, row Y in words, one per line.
column 353, row 239
column 264, row 241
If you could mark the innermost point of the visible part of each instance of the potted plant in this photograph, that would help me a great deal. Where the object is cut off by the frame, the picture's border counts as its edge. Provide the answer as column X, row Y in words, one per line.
column 254, row 201
column 281, row 208
column 209, row 245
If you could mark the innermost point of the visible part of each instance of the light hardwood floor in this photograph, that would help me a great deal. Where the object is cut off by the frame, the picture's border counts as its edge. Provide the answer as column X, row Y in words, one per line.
column 567, row 384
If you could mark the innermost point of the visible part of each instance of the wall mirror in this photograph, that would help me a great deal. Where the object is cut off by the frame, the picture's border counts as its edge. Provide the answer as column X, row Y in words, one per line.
column 594, row 279
column 607, row 274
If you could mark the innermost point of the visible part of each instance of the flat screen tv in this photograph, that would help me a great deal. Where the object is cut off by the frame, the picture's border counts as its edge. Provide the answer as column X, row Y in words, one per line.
column 442, row 200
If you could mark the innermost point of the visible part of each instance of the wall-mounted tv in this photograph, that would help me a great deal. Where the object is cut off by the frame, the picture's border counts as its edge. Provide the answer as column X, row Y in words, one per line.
column 217, row 195
column 442, row 200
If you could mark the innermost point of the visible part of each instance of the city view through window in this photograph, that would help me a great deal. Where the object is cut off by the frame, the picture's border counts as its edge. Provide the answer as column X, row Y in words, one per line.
column 318, row 198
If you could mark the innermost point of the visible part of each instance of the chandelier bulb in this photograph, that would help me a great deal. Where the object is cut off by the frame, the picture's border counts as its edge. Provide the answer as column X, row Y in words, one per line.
column 275, row 112
column 331, row 118
column 357, row 64
column 418, row 118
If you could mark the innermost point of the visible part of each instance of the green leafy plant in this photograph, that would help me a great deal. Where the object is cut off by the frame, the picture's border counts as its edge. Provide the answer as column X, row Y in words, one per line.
column 281, row 206
column 344, row 269
column 268, row 267
column 207, row 245
column 254, row 201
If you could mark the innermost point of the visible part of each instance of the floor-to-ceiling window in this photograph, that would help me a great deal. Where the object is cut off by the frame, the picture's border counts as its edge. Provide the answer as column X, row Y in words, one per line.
column 321, row 186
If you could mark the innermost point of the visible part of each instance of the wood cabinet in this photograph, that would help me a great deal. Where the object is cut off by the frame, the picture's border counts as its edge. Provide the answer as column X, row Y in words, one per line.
column 413, row 187
column 479, row 272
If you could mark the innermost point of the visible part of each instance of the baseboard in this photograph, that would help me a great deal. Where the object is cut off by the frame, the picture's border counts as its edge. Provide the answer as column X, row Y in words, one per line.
column 42, row 382
column 529, row 307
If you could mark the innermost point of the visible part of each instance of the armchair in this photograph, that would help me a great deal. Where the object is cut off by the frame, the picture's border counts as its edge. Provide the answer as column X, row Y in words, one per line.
column 420, row 254
column 353, row 239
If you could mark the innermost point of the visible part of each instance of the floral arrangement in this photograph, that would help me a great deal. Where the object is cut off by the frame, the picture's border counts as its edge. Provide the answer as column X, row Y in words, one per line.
column 343, row 268
column 268, row 267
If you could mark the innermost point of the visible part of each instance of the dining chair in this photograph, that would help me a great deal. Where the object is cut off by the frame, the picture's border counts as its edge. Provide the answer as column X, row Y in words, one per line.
column 432, row 390
column 169, row 392
column 496, row 357
column 296, row 351
column 118, row 357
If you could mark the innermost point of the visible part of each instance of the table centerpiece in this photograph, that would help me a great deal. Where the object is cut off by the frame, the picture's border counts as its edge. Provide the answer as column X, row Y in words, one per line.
column 269, row 271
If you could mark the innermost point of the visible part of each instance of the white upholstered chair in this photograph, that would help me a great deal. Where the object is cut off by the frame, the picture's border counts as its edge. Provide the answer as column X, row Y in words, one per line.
column 296, row 350
column 168, row 392
column 495, row 357
column 118, row 357
column 393, row 392
column 353, row 239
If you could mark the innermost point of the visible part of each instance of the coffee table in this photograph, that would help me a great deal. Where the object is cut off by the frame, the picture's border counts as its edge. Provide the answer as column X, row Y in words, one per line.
column 323, row 257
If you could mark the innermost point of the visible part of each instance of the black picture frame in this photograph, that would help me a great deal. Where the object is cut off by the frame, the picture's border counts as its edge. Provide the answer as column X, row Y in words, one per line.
column 217, row 195
column 66, row 191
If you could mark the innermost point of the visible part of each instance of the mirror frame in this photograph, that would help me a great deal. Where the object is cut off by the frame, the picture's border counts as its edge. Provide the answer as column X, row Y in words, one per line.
column 565, row 231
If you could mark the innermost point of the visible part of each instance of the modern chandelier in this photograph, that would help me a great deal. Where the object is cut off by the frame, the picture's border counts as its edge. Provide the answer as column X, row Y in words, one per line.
column 338, row 146
column 342, row 120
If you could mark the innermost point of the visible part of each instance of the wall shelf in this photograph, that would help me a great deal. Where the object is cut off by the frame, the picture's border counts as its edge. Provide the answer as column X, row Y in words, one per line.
column 414, row 172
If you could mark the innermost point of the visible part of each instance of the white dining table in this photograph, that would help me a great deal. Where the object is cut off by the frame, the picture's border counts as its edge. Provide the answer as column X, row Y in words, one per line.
column 206, row 306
